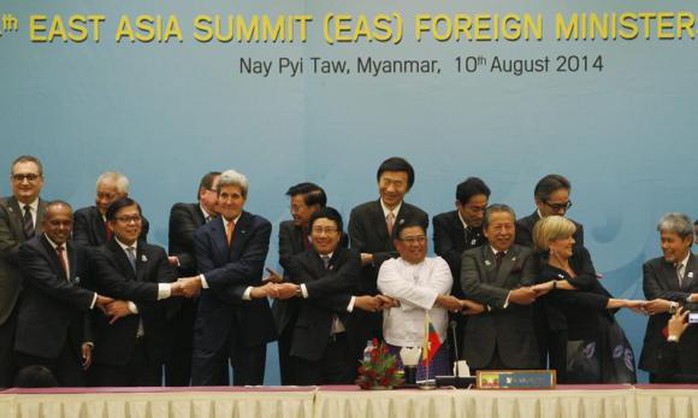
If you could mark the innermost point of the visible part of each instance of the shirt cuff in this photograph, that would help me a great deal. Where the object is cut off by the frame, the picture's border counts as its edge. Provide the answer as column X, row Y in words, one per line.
column 304, row 291
column 164, row 290
column 94, row 300
column 247, row 294
column 90, row 343
column 132, row 308
column 350, row 307
column 204, row 283
column 672, row 339
column 506, row 302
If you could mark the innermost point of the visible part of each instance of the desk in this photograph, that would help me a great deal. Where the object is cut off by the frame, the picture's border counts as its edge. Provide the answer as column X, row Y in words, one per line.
column 616, row 401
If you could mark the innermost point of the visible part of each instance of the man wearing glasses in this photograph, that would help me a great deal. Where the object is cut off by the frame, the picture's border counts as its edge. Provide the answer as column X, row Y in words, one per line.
column 90, row 223
column 21, row 216
column 552, row 197
column 457, row 231
column 129, row 339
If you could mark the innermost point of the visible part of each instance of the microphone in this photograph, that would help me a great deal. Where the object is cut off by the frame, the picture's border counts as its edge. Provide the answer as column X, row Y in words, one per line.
column 453, row 324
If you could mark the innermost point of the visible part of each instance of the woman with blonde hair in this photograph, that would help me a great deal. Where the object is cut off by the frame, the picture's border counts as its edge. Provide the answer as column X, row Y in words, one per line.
column 592, row 347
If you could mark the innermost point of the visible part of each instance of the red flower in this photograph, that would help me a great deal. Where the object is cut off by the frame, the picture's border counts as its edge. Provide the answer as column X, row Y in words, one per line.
column 374, row 342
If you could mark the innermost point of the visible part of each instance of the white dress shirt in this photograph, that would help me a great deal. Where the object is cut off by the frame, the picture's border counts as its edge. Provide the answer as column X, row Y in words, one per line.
column 416, row 286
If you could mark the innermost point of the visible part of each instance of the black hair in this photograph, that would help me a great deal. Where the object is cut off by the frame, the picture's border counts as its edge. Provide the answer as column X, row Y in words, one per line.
column 312, row 194
column 472, row 186
column 327, row 213
column 397, row 164
column 119, row 204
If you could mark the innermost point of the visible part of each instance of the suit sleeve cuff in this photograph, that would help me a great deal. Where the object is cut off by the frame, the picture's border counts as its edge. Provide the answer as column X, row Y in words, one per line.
column 164, row 290
column 350, row 307
column 132, row 308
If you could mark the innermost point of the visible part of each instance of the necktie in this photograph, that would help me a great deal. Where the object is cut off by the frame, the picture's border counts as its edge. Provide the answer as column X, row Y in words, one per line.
column 229, row 232
column 28, row 222
column 679, row 266
column 325, row 260
column 390, row 220
column 61, row 260
column 306, row 240
column 499, row 256
column 107, row 232
column 131, row 253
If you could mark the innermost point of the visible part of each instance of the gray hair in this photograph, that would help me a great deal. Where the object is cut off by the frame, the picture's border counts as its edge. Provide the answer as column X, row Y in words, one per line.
column 496, row 207
column 678, row 223
column 119, row 180
column 233, row 178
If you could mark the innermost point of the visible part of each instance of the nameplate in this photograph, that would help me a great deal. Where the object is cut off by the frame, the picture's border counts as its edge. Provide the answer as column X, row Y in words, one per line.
column 516, row 379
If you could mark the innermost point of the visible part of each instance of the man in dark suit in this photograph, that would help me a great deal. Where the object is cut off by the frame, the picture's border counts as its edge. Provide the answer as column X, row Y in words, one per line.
column 668, row 282
column 185, row 218
column 499, row 276
column 457, row 231
column 234, row 320
column 294, row 238
column 552, row 197
column 90, row 228
column 372, row 233
column 52, row 324
column 323, row 281
column 21, row 217
column 130, row 345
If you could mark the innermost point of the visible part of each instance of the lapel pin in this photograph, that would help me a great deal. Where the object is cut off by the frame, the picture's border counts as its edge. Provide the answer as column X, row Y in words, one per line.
column 690, row 274
column 77, row 279
column 144, row 258
column 402, row 221
column 513, row 258
column 488, row 263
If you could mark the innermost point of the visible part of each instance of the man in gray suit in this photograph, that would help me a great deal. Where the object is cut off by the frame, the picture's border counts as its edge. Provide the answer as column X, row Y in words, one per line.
column 500, row 275
column 21, row 217
column 671, row 281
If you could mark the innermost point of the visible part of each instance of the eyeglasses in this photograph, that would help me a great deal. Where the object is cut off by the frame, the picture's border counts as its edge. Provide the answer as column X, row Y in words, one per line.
column 326, row 231
column 559, row 206
column 421, row 239
column 31, row 177
column 128, row 219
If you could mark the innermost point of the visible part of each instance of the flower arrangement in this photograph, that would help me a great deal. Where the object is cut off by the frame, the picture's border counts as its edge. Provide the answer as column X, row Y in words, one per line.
column 379, row 368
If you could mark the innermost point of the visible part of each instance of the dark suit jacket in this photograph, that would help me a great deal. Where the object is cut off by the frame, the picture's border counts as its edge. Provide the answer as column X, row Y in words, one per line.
column 228, row 272
column 575, row 311
column 329, row 293
column 185, row 218
column 509, row 330
column 90, row 230
column 368, row 233
column 11, row 237
column 659, row 280
column 291, row 242
column 524, row 231
column 53, row 308
column 114, row 277
column 449, row 243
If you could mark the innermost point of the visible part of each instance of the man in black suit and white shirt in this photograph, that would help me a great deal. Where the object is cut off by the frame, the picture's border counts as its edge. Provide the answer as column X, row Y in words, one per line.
column 323, row 281
column 185, row 219
column 372, row 228
column 457, row 231
column 130, row 344
column 52, row 326
column 294, row 238
column 21, row 217
column 671, row 281
column 90, row 228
